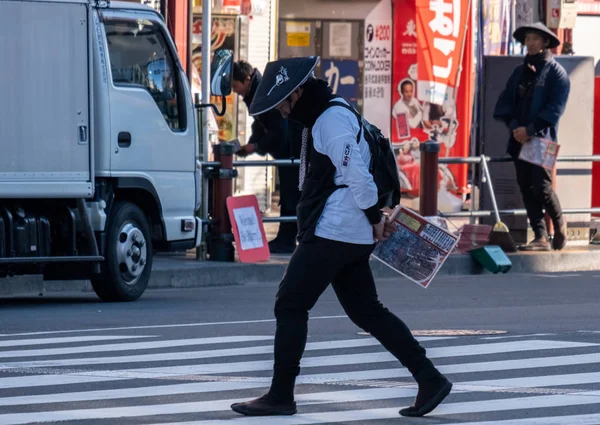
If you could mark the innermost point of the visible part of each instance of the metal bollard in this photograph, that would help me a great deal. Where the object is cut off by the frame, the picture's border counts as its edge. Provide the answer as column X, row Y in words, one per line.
column 221, row 237
column 429, row 179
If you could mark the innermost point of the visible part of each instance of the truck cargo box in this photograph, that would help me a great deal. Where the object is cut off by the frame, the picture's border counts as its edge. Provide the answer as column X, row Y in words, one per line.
column 45, row 146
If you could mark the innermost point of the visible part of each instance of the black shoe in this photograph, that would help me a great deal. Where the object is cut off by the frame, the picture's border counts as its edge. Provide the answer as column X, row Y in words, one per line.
column 265, row 406
column 431, row 394
column 276, row 246
column 560, row 234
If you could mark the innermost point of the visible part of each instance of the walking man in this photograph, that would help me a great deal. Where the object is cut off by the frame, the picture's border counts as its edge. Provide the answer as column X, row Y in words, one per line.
column 531, row 106
column 339, row 221
column 276, row 136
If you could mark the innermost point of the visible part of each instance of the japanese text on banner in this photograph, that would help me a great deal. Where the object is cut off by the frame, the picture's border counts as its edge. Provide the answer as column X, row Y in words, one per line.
column 440, row 35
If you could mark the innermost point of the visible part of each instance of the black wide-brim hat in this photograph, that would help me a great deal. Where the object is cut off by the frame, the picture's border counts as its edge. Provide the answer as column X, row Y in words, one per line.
column 280, row 79
column 541, row 29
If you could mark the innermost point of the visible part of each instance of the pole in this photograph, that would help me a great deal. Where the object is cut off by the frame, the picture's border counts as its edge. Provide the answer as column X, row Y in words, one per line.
column 206, row 57
column 428, row 199
column 221, row 237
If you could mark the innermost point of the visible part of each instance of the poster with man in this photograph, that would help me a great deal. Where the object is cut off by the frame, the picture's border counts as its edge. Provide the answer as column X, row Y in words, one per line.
column 419, row 115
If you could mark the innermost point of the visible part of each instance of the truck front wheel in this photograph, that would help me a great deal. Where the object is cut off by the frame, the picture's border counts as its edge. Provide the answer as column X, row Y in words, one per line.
column 128, row 255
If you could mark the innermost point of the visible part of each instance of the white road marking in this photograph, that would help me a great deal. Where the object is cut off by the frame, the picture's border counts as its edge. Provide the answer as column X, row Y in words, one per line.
column 516, row 336
column 63, row 377
column 513, row 385
column 377, row 414
column 131, row 346
column 180, row 325
column 68, row 340
column 497, row 405
column 188, row 355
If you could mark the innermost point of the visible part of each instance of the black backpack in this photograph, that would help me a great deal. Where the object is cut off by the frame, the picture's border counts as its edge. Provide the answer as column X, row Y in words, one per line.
column 383, row 166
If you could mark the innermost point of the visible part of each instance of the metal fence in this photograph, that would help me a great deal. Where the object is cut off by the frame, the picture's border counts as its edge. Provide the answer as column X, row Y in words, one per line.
column 448, row 160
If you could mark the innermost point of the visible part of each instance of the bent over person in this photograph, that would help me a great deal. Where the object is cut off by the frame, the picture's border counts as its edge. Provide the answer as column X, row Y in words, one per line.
column 531, row 106
column 339, row 221
column 276, row 136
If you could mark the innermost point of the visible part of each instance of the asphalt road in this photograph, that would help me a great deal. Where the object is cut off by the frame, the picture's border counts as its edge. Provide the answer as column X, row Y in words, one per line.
column 183, row 356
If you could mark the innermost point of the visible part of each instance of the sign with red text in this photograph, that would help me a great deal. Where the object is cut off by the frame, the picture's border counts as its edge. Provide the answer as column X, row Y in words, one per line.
column 440, row 38
column 248, row 229
column 377, row 87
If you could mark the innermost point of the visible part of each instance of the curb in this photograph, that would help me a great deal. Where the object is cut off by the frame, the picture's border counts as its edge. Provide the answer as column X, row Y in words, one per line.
column 185, row 272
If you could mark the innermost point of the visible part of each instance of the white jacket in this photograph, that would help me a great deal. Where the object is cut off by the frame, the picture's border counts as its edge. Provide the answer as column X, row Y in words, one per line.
column 343, row 219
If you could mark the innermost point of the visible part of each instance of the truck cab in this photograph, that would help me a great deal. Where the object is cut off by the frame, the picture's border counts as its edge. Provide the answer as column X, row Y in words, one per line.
column 100, row 143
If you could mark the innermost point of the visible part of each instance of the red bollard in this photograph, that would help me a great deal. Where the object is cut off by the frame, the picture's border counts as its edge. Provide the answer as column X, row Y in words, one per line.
column 429, row 179
column 220, row 247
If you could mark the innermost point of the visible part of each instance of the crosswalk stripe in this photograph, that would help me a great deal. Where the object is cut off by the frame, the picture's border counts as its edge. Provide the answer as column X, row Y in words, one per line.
column 493, row 366
column 68, row 340
column 193, row 355
column 341, row 360
column 592, row 419
column 348, row 396
column 154, row 391
column 165, row 390
column 392, row 413
column 149, row 345
column 80, row 377
column 175, row 325
column 540, row 381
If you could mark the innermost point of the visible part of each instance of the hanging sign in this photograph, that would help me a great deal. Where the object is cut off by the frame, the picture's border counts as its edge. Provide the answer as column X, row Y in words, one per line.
column 440, row 38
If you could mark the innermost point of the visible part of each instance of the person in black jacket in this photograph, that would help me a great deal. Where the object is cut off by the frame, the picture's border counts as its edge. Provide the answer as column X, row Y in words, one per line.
column 531, row 105
column 280, row 138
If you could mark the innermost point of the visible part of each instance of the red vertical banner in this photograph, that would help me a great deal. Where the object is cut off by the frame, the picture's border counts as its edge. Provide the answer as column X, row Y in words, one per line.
column 440, row 39
column 417, row 115
column 596, row 147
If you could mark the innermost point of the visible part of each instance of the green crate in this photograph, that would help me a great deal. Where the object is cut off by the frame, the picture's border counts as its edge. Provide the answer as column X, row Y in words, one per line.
column 492, row 258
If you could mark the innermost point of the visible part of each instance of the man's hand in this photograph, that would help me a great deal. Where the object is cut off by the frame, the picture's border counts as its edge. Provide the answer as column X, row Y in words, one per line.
column 379, row 230
column 520, row 135
column 383, row 229
column 246, row 150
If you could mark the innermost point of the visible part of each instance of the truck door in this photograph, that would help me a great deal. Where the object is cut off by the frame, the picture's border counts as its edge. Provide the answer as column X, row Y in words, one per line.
column 152, row 122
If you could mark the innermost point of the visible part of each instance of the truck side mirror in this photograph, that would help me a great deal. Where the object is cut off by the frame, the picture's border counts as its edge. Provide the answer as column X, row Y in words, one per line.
column 221, row 82
column 221, row 71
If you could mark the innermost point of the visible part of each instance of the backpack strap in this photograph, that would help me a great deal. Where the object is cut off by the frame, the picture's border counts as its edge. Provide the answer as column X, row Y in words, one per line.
column 351, row 109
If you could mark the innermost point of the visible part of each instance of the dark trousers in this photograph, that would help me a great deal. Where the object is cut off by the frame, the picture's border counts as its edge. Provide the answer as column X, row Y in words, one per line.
column 346, row 266
column 535, row 183
column 289, row 198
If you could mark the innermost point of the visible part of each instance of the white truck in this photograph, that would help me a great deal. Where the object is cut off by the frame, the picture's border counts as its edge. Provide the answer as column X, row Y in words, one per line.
column 99, row 143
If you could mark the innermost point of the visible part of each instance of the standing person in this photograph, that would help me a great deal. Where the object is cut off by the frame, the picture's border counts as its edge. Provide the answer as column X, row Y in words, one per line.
column 276, row 136
column 531, row 106
column 339, row 221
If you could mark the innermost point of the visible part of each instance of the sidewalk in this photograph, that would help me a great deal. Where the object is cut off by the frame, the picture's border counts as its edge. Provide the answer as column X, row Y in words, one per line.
column 183, row 271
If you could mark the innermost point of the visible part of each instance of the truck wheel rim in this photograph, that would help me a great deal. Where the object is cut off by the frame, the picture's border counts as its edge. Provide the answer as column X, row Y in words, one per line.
column 131, row 253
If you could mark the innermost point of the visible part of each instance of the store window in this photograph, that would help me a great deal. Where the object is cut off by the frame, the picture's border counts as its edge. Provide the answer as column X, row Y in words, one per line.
column 140, row 57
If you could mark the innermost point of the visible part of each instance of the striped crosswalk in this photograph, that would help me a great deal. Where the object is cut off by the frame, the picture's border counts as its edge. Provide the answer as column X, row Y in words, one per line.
column 541, row 379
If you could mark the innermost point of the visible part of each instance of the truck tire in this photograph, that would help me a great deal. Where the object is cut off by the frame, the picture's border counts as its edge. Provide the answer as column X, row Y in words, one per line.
column 128, row 255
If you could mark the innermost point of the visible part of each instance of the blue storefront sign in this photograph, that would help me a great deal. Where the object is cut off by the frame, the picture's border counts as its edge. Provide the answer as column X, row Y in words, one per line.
column 342, row 76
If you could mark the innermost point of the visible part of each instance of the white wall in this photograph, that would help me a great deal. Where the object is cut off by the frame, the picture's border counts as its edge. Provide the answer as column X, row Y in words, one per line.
column 586, row 35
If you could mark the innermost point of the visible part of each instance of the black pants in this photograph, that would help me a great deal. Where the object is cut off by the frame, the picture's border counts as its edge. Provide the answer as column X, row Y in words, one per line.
column 346, row 266
column 535, row 183
column 289, row 198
